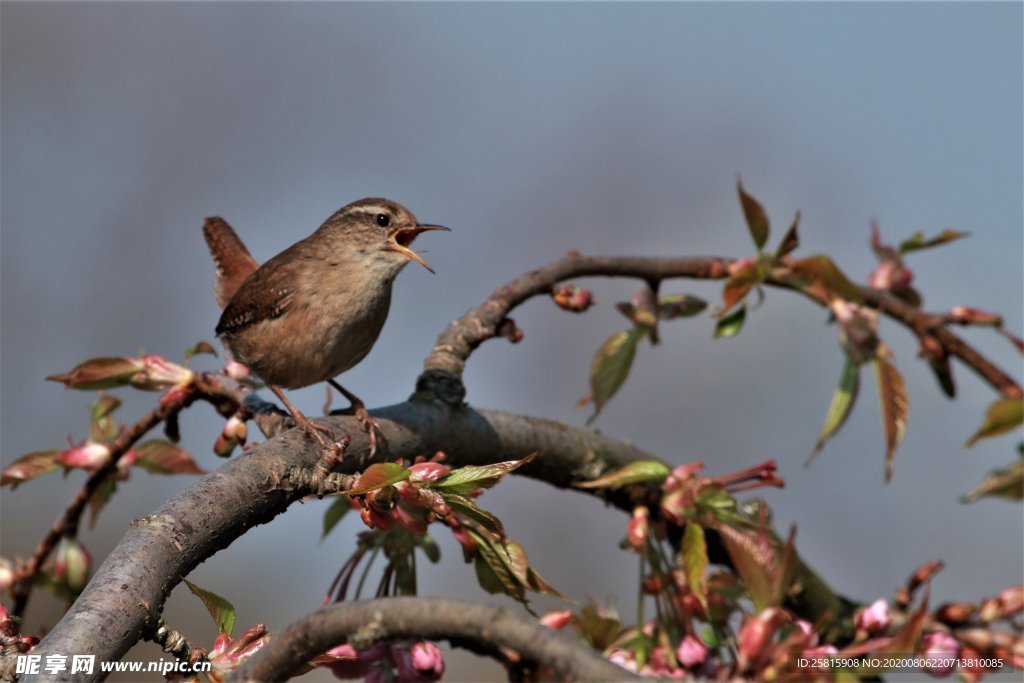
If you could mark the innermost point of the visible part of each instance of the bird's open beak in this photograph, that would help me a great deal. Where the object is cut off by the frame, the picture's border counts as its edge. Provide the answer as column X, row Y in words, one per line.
column 403, row 237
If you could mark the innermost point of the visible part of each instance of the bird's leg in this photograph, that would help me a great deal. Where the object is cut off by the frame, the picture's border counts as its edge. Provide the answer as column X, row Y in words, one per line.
column 310, row 427
column 358, row 409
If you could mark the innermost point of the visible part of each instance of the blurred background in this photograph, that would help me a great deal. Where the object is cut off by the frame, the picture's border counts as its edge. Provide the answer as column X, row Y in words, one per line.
column 530, row 129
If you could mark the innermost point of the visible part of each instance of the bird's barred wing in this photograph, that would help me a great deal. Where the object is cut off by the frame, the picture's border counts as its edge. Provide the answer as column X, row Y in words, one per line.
column 265, row 295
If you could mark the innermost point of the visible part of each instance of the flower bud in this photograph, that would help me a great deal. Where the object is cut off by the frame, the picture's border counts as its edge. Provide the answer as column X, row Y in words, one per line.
column 427, row 661
column 638, row 528
column 939, row 650
column 572, row 298
column 556, row 620
column 88, row 455
column 692, row 652
column 428, row 472
column 236, row 370
column 873, row 619
column 158, row 373
column 72, row 564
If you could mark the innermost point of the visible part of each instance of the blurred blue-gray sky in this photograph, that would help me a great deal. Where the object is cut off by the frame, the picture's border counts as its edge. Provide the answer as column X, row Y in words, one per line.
column 529, row 129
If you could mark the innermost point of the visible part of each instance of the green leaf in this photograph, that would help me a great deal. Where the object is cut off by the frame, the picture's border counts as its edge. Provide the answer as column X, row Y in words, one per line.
column 791, row 240
column 30, row 466
column 673, row 306
column 99, row 499
column 611, row 365
column 473, row 477
column 892, row 395
column 104, row 406
column 199, row 347
column 841, row 406
column 600, row 628
column 338, row 508
column 633, row 473
column 757, row 219
column 1003, row 416
column 918, row 240
column 430, row 548
column 695, row 561
column 100, row 373
column 731, row 324
column 163, row 457
column 493, row 572
column 467, row 507
column 1007, row 483
column 222, row 611
column 377, row 476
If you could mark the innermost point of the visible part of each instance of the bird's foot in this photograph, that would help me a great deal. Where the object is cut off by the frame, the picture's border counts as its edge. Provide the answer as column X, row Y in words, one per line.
column 373, row 431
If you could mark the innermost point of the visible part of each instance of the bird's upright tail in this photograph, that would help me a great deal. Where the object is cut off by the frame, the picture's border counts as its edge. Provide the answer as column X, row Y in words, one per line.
column 234, row 262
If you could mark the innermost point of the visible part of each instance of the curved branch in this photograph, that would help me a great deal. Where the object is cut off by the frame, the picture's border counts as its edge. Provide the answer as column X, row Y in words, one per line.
column 369, row 621
column 456, row 343
column 122, row 602
column 454, row 346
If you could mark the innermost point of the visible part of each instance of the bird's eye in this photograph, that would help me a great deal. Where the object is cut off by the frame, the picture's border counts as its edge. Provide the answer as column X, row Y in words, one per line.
column 383, row 220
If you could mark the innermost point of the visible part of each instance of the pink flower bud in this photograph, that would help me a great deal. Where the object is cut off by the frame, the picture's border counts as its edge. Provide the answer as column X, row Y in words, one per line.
column 88, row 455
column 755, row 637
column 572, row 298
column 692, row 652
column 427, row 661
column 236, row 429
column 638, row 528
column 428, row 471
column 624, row 659
column 941, row 649
column 741, row 266
column 874, row 618
column 962, row 315
column 158, row 373
column 236, row 370
column 556, row 620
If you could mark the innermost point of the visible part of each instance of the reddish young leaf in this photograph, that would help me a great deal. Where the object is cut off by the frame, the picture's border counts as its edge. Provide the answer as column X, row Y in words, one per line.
column 100, row 373
column 162, row 457
column 30, row 466
column 791, row 240
column 819, row 275
column 378, row 476
column 1006, row 483
column 892, row 395
column 757, row 219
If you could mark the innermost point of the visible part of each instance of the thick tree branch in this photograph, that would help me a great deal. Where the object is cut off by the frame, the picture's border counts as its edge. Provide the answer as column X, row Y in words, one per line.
column 460, row 621
column 123, row 600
